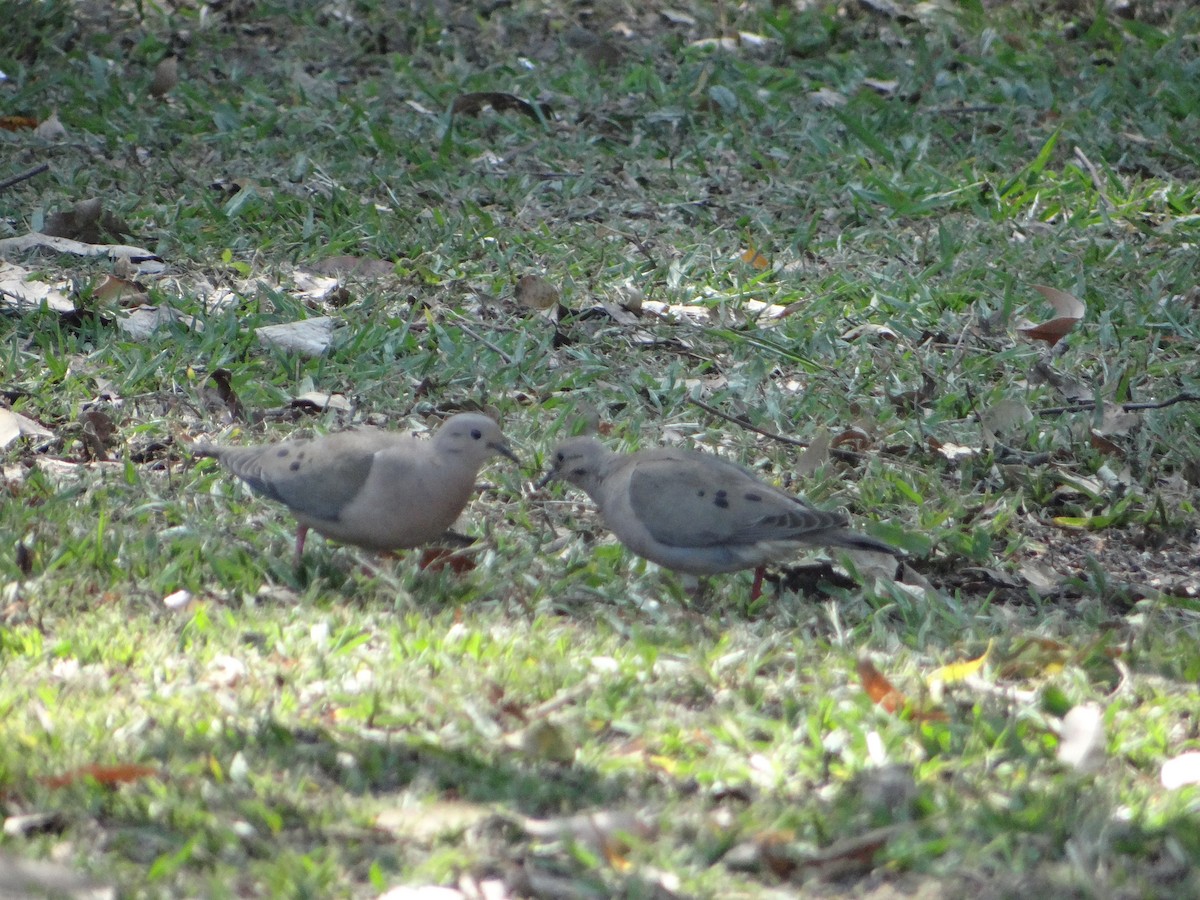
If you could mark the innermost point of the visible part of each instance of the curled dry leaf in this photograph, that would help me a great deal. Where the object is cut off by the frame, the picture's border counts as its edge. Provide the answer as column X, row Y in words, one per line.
column 1070, row 310
column 535, row 292
column 885, row 695
column 166, row 76
column 474, row 103
column 10, row 427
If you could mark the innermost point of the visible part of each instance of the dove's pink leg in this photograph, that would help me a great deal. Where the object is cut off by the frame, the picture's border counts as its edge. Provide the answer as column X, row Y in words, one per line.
column 301, row 534
column 756, row 588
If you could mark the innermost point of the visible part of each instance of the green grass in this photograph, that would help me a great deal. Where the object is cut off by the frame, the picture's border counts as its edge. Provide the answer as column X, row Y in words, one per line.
column 332, row 733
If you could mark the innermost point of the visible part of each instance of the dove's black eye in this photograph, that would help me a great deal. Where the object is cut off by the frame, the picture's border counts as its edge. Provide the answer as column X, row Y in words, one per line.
column 476, row 433
column 560, row 456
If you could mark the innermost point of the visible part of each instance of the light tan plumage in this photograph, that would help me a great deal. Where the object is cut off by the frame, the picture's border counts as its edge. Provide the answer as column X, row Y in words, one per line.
column 696, row 513
column 375, row 489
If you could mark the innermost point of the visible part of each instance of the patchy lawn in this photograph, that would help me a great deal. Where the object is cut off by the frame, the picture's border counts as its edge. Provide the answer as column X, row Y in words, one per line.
column 935, row 264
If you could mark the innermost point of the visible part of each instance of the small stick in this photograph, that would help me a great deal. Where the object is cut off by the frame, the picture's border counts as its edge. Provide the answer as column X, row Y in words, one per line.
column 24, row 176
column 1184, row 397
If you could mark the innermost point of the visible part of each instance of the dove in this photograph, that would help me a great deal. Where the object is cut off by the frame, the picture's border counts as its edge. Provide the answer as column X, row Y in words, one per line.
column 378, row 490
column 697, row 513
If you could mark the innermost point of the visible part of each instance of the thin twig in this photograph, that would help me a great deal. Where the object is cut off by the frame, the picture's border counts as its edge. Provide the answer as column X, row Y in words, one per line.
column 742, row 423
column 1185, row 397
column 24, row 176
column 837, row 452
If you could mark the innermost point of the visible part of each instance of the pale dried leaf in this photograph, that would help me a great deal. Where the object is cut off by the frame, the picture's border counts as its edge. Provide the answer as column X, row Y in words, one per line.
column 827, row 97
column 10, row 428
column 599, row 831
column 1081, row 738
column 323, row 401
column 815, row 455
column 50, row 128
column 1005, row 417
column 309, row 337
column 20, row 293
column 141, row 322
column 886, row 87
column 145, row 261
column 44, row 878
column 1181, row 770
column 427, row 822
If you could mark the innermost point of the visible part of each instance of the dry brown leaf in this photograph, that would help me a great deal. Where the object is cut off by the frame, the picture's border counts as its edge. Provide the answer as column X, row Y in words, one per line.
column 119, row 290
column 166, row 76
column 18, row 123
column 474, row 103
column 106, row 775
column 1070, row 310
column 885, row 695
column 535, row 292
column 878, row 688
column 753, row 258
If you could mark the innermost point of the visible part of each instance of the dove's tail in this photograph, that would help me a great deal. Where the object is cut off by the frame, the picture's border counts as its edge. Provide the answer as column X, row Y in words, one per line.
column 852, row 540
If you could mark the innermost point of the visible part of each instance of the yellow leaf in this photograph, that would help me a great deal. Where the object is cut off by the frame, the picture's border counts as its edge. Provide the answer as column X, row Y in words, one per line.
column 752, row 257
column 959, row 671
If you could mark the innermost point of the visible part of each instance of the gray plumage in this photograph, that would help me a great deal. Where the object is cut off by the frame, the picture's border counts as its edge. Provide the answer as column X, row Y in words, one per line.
column 379, row 490
column 696, row 513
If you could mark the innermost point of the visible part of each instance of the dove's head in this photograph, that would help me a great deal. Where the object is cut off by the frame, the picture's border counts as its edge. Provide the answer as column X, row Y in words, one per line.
column 472, row 438
column 580, row 461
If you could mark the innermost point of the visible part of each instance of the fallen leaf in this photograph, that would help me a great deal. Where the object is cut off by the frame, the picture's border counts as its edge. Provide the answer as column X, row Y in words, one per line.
column 474, row 103
column 878, row 688
column 885, row 695
column 1070, row 310
column 308, row 337
column 535, row 292
column 1181, row 770
column 426, row 822
column 143, row 321
column 815, row 454
column 1004, row 417
column 10, row 427
column 753, row 258
column 50, row 129
column 960, row 671
column 166, row 76
column 106, row 775
column 883, row 86
column 21, row 292
column 1081, row 738
column 607, row 832
column 18, row 123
